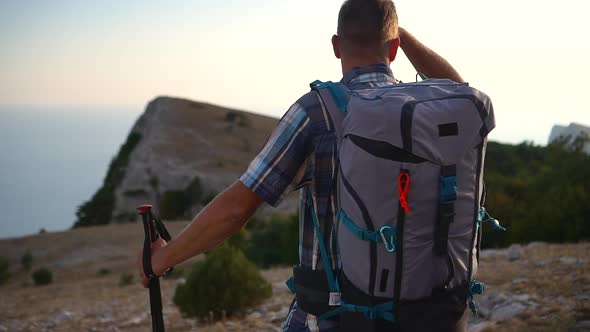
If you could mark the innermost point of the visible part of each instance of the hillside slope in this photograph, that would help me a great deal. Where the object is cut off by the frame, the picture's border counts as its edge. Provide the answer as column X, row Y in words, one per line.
column 178, row 151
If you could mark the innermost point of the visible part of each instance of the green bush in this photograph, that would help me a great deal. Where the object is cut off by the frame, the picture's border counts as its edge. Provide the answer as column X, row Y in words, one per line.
column 103, row 272
column 194, row 191
column 239, row 240
column 4, row 270
column 225, row 281
column 237, row 118
column 126, row 279
column 42, row 276
column 26, row 261
column 538, row 193
column 173, row 204
column 176, row 204
column 282, row 232
column 99, row 209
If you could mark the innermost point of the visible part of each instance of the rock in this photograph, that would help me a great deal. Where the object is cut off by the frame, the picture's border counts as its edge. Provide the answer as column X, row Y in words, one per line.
column 540, row 263
column 499, row 306
column 480, row 326
column 569, row 260
column 60, row 318
column 523, row 298
column 486, row 303
column 520, row 280
column 507, row 311
column 3, row 328
column 490, row 253
column 536, row 244
column 137, row 320
column 280, row 286
column 514, row 252
column 105, row 319
column 278, row 315
column 255, row 315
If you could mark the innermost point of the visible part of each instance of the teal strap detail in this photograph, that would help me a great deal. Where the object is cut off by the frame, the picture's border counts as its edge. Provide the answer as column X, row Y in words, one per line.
column 475, row 287
column 386, row 234
column 448, row 189
column 473, row 308
column 291, row 284
column 383, row 310
column 484, row 216
column 340, row 96
column 332, row 282
column 363, row 234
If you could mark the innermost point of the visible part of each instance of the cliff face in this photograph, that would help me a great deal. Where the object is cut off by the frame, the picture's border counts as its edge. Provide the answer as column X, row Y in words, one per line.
column 183, row 153
column 571, row 132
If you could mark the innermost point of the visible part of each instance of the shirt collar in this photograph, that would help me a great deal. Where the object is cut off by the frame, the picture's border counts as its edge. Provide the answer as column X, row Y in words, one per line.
column 378, row 73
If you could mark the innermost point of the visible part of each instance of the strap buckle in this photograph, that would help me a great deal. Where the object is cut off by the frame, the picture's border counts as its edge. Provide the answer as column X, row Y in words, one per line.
column 388, row 236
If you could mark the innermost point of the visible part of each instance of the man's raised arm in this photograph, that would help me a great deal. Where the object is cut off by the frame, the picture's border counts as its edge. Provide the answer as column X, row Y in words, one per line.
column 425, row 60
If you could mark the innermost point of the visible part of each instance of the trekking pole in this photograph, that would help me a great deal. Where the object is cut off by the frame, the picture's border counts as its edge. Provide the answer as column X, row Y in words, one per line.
column 153, row 229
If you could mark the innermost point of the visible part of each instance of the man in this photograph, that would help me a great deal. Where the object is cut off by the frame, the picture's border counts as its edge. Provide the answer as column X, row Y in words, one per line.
column 301, row 152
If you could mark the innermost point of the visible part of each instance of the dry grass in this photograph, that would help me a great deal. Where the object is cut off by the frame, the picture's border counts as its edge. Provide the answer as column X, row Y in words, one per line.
column 82, row 299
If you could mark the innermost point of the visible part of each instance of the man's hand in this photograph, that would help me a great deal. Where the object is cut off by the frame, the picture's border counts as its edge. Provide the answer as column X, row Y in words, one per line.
column 425, row 60
column 157, row 268
column 220, row 219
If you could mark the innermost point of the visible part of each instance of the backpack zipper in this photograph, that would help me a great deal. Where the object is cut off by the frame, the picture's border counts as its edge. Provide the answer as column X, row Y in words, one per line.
column 403, row 208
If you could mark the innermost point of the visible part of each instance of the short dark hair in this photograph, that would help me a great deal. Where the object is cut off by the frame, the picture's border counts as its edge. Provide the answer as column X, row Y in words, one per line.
column 367, row 24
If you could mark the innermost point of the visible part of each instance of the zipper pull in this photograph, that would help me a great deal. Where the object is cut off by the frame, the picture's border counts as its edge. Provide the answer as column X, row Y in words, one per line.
column 403, row 186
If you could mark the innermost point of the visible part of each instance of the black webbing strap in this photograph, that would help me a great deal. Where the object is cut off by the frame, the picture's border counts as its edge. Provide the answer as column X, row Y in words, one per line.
column 153, row 229
column 446, row 208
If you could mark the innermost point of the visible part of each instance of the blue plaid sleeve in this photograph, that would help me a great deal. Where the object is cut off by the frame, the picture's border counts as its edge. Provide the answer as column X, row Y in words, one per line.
column 280, row 166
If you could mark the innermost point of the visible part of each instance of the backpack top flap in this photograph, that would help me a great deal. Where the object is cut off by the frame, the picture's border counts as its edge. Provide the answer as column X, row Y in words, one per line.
column 433, row 119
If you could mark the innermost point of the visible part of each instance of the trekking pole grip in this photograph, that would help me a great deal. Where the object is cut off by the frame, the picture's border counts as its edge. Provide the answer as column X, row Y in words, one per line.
column 151, row 234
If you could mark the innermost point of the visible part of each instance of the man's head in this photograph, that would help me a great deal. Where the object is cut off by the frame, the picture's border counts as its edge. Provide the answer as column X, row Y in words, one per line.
column 367, row 33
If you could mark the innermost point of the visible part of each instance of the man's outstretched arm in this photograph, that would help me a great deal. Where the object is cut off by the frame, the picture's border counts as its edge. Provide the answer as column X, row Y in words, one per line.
column 222, row 218
column 425, row 60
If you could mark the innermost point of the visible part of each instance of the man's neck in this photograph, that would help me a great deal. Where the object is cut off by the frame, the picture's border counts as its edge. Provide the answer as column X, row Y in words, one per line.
column 348, row 64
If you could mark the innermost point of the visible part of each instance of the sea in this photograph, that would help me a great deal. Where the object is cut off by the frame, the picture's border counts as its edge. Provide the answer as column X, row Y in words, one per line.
column 53, row 159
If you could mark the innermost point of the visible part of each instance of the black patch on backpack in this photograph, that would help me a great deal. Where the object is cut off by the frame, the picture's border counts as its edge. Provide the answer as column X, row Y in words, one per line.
column 383, row 284
column 448, row 129
column 384, row 150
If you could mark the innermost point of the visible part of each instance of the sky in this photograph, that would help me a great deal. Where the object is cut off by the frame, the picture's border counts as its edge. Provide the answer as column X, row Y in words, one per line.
column 260, row 55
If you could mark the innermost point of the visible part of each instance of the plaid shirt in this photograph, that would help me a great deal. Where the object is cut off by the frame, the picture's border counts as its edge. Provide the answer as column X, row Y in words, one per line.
column 301, row 154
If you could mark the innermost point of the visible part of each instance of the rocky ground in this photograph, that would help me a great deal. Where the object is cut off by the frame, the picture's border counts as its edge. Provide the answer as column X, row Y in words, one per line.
column 537, row 287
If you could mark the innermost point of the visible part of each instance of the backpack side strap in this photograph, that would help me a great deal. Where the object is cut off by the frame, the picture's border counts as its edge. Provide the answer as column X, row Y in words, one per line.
column 446, row 208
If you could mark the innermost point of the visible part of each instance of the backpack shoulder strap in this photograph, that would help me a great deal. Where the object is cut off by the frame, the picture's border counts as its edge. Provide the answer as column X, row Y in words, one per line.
column 335, row 98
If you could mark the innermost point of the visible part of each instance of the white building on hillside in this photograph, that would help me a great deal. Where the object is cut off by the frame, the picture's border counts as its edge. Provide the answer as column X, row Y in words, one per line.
column 573, row 130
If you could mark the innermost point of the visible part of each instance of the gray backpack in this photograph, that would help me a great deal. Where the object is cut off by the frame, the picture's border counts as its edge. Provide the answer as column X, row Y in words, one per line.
column 410, row 202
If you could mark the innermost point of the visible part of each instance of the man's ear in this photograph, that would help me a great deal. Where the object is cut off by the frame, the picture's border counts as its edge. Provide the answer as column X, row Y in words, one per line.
column 393, row 47
column 336, row 46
